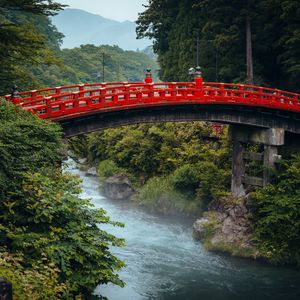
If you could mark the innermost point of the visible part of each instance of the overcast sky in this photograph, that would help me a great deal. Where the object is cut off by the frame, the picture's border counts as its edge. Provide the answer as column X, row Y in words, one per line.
column 120, row 10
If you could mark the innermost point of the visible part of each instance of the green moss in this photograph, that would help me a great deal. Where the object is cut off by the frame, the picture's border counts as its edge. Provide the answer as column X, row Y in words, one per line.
column 234, row 248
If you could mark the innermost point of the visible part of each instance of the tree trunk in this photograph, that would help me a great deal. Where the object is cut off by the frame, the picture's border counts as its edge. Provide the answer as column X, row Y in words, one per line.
column 249, row 79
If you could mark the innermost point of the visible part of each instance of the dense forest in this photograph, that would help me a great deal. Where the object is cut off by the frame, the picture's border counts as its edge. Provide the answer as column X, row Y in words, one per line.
column 174, row 26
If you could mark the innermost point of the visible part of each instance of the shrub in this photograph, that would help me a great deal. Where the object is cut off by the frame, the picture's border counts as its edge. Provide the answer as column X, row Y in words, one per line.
column 39, row 282
column 41, row 211
column 276, row 215
column 185, row 179
column 107, row 168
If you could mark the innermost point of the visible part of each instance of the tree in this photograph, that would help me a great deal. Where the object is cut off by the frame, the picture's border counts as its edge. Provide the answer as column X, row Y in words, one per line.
column 221, row 26
column 276, row 215
column 42, row 214
column 22, row 44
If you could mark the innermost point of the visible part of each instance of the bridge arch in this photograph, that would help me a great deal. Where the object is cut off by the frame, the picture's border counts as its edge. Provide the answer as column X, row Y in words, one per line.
column 89, row 107
column 234, row 115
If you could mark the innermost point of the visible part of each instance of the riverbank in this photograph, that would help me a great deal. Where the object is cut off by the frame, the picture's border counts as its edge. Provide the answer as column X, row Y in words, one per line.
column 163, row 261
column 226, row 227
column 184, row 169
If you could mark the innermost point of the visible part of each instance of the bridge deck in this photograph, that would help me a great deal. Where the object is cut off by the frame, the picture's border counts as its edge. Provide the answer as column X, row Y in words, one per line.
column 69, row 102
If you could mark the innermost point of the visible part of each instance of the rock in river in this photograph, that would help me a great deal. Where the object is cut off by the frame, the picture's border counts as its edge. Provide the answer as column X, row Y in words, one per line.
column 118, row 187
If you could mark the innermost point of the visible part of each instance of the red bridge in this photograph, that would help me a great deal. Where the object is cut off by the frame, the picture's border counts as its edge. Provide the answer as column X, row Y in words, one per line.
column 261, row 115
column 110, row 104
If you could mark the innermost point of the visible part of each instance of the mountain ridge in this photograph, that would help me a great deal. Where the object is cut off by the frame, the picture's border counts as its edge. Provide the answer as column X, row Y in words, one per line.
column 81, row 27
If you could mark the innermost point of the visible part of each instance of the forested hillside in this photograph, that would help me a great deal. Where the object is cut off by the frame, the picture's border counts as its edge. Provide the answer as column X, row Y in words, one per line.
column 31, row 58
column 176, row 168
column 221, row 27
column 85, row 64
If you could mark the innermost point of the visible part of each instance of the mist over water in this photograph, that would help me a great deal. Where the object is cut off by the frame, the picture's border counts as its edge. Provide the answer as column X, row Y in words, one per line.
column 163, row 262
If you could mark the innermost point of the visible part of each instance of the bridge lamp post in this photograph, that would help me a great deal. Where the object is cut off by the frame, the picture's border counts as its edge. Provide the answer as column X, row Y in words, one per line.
column 98, row 76
column 196, row 76
column 148, row 76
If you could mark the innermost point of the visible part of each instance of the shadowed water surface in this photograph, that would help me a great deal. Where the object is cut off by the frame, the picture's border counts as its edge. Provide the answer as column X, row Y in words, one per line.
column 163, row 262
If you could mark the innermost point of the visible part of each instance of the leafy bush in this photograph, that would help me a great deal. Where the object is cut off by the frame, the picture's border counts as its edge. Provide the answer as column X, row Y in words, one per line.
column 214, row 182
column 107, row 168
column 39, row 282
column 276, row 215
column 185, row 179
column 41, row 211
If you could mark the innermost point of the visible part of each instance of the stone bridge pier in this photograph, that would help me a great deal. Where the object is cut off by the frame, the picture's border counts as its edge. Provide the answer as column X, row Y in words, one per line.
column 270, row 138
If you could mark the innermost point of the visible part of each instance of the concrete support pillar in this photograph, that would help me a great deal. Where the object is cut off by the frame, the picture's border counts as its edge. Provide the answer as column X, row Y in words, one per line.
column 238, row 168
column 270, row 157
column 271, row 138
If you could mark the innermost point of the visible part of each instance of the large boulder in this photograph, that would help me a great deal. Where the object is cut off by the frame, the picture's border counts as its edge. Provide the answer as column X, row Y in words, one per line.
column 91, row 172
column 118, row 187
column 227, row 227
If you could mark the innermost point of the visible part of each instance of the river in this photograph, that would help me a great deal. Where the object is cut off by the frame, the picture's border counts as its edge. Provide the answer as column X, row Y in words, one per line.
column 163, row 262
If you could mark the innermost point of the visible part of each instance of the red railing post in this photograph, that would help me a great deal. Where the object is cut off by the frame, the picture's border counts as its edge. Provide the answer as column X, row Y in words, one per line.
column 58, row 90
column 48, row 107
column 33, row 94
column 102, row 91
column 173, row 91
column 76, row 100
column 127, row 93
column 148, row 76
column 198, row 82
column 15, row 96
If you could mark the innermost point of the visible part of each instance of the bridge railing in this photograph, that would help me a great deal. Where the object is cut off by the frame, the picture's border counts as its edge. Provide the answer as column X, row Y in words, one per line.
column 69, row 101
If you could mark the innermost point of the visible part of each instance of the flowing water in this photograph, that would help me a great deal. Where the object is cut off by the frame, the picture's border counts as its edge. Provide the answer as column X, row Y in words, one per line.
column 163, row 262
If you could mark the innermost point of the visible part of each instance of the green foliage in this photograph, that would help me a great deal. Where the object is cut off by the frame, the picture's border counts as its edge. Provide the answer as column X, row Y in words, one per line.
column 22, row 145
column 41, row 211
column 107, row 168
column 31, row 58
column 276, row 215
column 185, row 179
column 39, row 282
column 159, row 195
column 221, row 27
column 85, row 64
column 214, row 181
column 186, row 159
column 44, row 7
column 24, row 33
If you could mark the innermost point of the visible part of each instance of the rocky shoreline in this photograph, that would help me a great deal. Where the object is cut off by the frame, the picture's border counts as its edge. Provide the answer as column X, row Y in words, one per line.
column 226, row 227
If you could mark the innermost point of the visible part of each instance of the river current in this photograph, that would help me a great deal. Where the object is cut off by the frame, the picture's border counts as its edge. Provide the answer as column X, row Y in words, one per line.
column 163, row 262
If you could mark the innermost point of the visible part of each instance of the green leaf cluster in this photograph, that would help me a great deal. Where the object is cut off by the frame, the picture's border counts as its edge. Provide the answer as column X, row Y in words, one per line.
column 221, row 27
column 276, row 215
column 27, row 39
column 42, row 214
column 39, row 282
